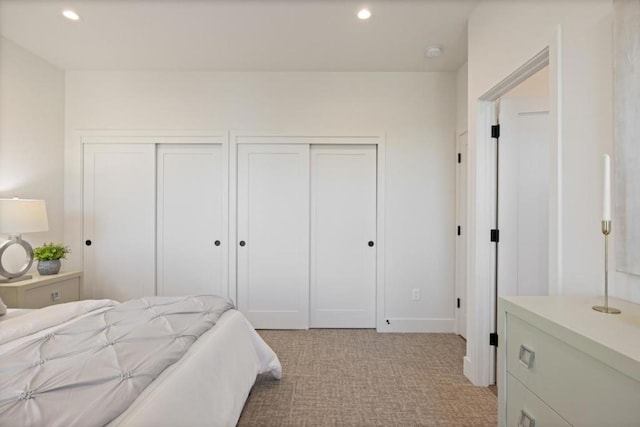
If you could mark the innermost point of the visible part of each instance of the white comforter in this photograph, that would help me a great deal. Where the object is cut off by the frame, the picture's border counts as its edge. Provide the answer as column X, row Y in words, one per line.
column 78, row 392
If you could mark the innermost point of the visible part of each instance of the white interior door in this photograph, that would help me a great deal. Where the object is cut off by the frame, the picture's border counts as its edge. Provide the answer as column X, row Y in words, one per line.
column 523, row 201
column 273, row 235
column 190, row 230
column 119, row 220
column 343, row 236
column 461, row 241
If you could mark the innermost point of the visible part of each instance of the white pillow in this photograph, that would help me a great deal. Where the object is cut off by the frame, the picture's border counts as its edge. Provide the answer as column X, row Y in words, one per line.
column 3, row 308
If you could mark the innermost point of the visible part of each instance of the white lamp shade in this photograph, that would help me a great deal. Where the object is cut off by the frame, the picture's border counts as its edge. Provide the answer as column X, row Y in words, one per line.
column 19, row 216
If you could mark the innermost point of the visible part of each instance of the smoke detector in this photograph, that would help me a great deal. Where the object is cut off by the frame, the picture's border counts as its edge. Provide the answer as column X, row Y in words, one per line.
column 433, row 51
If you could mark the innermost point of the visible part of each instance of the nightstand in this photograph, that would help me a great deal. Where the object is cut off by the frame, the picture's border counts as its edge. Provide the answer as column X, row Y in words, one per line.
column 41, row 291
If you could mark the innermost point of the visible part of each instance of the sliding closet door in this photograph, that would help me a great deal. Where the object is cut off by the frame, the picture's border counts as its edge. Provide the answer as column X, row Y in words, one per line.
column 191, row 238
column 343, row 236
column 118, row 219
column 273, row 235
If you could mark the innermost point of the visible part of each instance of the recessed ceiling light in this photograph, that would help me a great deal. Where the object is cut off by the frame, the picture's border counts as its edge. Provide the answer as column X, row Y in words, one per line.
column 364, row 14
column 70, row 14
column 433, row 51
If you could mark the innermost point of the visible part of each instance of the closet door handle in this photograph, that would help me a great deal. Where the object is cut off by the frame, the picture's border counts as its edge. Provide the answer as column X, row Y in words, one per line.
column 217, row 243
column 526, row 420
column 371, row 243
column 526, row 356
column 87, row 242
column 242, row 243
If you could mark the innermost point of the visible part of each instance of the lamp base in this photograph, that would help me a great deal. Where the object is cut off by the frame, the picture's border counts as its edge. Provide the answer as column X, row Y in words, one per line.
column 9, row 276
column 17, row 279
column 608, row 310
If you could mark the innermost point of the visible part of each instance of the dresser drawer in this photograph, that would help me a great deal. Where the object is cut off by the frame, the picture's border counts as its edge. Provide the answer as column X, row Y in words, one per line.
column 583, row 390
column 524, row 409
column 54, row 293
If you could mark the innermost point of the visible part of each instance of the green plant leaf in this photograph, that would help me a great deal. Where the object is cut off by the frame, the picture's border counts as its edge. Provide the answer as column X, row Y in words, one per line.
column 51, row 251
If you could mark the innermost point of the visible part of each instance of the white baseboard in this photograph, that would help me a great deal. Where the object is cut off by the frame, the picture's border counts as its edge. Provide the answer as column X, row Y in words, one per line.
column 418, row 325
column 467, row 368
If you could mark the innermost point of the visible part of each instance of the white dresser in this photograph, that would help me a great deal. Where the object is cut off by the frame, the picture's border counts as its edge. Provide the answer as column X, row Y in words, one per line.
column 560, row 363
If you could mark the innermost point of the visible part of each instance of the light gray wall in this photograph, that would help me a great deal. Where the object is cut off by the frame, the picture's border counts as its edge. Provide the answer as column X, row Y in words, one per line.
column 416, row 110
column 462, row 98
column 626, row 226
column 31, row 137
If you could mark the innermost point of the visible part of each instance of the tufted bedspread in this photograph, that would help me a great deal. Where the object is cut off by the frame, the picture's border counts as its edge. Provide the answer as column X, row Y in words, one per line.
column 101, row 357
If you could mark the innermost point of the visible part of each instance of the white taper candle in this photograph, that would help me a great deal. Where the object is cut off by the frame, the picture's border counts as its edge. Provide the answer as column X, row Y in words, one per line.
column 606, row 210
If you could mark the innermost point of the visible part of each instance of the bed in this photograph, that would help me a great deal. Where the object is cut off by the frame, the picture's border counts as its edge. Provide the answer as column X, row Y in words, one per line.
column 12, row 313
column 207, row 384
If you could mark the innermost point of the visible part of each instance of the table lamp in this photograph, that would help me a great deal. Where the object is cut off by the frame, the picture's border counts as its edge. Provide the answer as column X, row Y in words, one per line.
column 18, row 216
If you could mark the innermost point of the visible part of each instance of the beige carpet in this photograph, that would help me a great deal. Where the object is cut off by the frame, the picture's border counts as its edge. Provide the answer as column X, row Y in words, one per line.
column 357, row 377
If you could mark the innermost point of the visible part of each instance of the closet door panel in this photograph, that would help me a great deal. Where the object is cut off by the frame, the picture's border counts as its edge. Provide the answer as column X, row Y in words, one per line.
column 343, row 236
column 119, row 220
column 273, row 235
column 190, row 233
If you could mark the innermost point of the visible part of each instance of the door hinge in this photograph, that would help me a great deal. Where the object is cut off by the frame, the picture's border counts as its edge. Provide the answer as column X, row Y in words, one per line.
column 459, row 230
column 495, row 235
column 458, row 304
column 493, row 339
column 459, row 157
column 495, row 131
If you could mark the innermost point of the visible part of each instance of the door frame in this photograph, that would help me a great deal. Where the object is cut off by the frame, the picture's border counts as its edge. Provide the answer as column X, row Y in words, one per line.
column 462, row 222
column 312, row 138
column 479, row 363
column 74, row 171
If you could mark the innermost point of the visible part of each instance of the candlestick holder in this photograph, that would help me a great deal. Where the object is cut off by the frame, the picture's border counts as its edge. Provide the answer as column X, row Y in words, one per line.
column 606, row 230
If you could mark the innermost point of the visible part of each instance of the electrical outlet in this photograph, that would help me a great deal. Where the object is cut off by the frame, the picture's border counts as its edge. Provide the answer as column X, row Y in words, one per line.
column 415, row 294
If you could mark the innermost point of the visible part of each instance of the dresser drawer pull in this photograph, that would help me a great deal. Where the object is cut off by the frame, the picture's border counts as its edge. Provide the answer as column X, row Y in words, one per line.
column 55, row 296
column 526, row 420
column 526, row 356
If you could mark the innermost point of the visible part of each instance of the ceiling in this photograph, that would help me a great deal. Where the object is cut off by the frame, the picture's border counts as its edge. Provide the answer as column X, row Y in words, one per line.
column 241, row 35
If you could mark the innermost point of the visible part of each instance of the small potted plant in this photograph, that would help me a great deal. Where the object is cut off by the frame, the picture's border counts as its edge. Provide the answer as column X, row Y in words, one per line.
column 49, row 256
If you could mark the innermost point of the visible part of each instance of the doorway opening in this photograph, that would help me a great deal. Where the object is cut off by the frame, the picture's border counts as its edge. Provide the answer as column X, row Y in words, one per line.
column 521, row 228
column 523, row 188
column 517, row 196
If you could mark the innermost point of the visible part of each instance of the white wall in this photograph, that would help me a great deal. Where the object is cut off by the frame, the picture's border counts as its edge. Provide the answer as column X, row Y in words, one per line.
column 416, row 110
column 502, row 37
column 31, row 138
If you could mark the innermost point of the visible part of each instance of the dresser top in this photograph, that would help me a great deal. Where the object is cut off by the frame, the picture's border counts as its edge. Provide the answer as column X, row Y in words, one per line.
column 614, row 339
column 38, row 280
